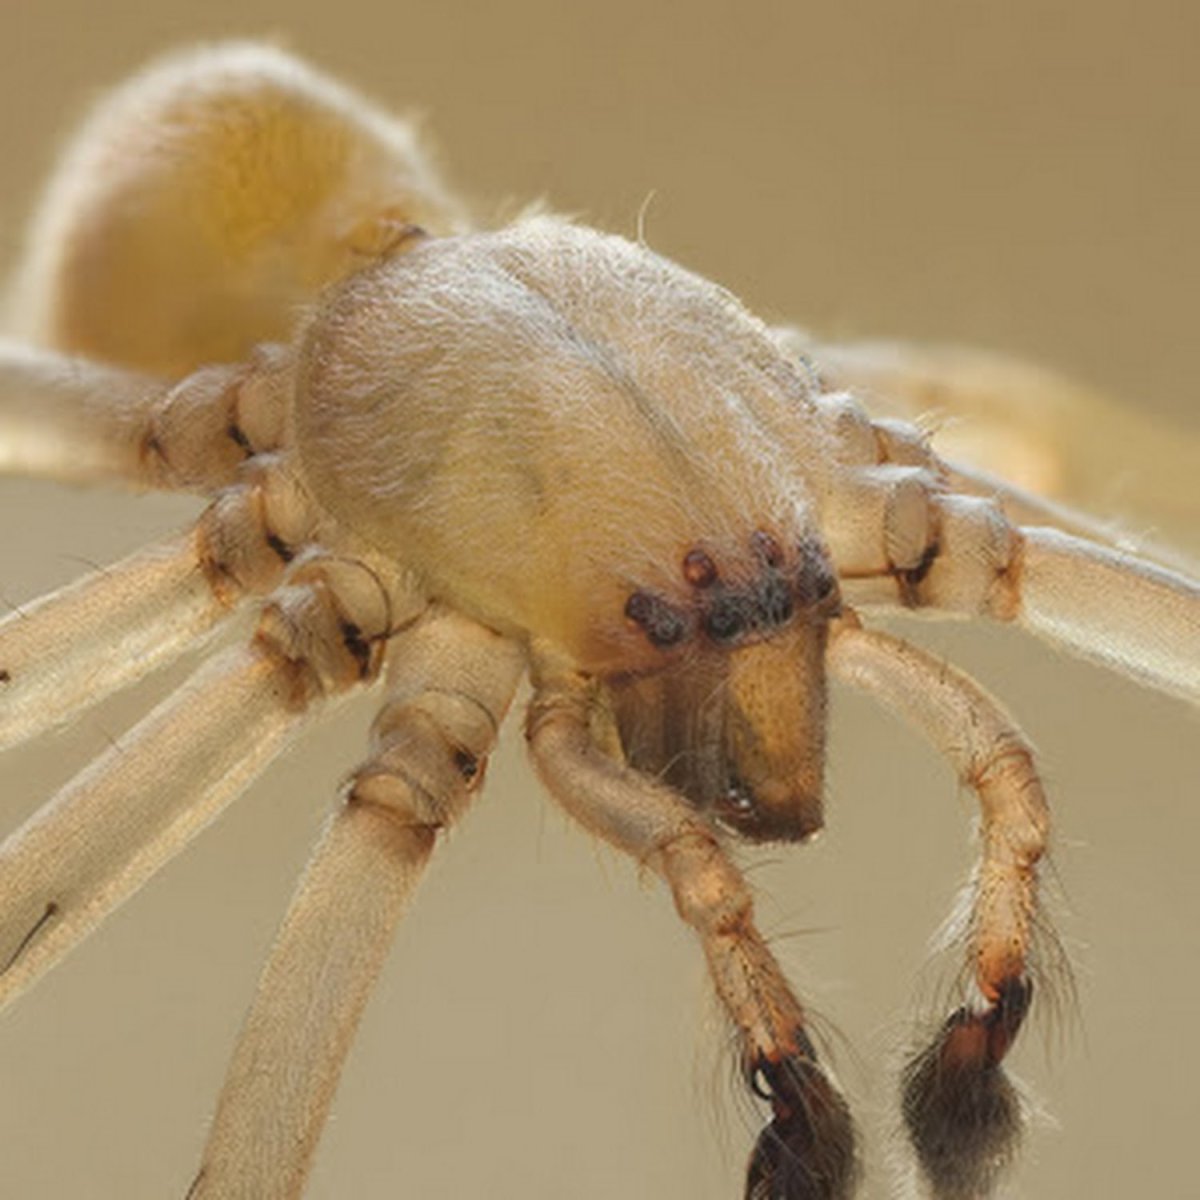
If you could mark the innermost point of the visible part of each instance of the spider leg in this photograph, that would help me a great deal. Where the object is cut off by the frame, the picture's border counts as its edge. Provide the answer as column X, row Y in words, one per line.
column 452, row 684
column 1006, row 419
column 81, row 421
column 900, row 541
column 72, row 420
column 807, row 1151
column 887, row 454
column 71, row 648
column 961, row 1112
column 1025, row 508
column 137, row 805
column 1112, row 608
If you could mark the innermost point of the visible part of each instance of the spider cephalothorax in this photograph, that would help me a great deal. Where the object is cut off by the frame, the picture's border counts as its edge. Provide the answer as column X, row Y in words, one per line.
column 537, row 452
column 553, row 358
column 493, row 382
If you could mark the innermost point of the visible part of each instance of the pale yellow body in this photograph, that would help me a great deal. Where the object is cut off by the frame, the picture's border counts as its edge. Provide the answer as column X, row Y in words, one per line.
column 515, row 381
column 208, row 200
column 454, row 458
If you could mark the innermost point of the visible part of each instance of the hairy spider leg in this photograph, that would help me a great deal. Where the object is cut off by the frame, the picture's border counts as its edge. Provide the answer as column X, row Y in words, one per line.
column 451, row 684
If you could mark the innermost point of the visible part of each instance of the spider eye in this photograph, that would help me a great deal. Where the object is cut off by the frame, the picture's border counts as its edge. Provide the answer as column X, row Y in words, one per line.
column 768, row 548
column 776, row 600
column 698, row 569
column 816, row 581
column 663, row 624
column 726, row 618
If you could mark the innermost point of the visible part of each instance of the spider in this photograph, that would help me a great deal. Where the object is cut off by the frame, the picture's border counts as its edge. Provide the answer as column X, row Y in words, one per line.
column 440, row 461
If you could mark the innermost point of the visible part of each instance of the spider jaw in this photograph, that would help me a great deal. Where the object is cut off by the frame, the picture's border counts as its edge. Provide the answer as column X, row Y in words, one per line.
column 773, row 812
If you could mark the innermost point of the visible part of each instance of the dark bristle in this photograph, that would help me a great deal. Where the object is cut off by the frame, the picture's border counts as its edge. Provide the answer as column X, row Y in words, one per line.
column 962, row 1113
column 807, row 1152
column 280, row 548
column 356, row 644
column 776, row 600
column 910, row 580
column 235, row 434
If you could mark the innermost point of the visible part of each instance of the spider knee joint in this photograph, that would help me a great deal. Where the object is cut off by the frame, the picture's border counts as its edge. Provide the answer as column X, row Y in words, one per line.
column 910, row 531
column 215, row 419
column 1014, row 803
column 429, row 753
column 252, row 531
column 976, row 564
column 710, row 894
column 332, row 619
column 905, row 445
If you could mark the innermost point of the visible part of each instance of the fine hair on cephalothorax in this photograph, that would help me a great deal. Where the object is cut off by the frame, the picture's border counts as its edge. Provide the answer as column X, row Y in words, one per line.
column 442, row 460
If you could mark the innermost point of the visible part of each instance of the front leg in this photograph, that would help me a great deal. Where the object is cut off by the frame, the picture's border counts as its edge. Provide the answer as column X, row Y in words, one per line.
column 807, row 1151
column 900, row 540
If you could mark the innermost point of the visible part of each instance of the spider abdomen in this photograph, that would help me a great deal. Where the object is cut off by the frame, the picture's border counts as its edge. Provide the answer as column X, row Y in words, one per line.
column 266, row 180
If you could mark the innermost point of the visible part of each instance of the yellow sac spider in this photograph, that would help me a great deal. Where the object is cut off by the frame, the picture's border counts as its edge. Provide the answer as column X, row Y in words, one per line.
column 535, row 451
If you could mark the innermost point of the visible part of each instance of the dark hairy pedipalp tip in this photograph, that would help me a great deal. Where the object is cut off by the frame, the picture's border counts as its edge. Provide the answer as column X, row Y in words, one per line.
column 807, row 1152
column 962, row 1112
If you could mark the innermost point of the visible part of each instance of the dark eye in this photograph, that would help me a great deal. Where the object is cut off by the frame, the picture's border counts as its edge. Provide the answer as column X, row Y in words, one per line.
column 775, row 598
column 664, row 625
column 726, row 618
column 767, row 548
column 816, row 581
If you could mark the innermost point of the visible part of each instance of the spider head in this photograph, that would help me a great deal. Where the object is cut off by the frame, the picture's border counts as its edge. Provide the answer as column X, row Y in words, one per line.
column 735, row 719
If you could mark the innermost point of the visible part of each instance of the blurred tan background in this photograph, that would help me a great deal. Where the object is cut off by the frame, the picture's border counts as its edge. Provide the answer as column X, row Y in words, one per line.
column 1021, row 176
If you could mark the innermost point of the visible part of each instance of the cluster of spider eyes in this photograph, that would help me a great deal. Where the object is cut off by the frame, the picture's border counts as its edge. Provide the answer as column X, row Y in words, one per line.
column 726, row 612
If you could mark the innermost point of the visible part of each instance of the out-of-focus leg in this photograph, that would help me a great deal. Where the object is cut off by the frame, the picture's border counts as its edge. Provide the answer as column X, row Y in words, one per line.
column 83, row 421
column 1034, row 428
